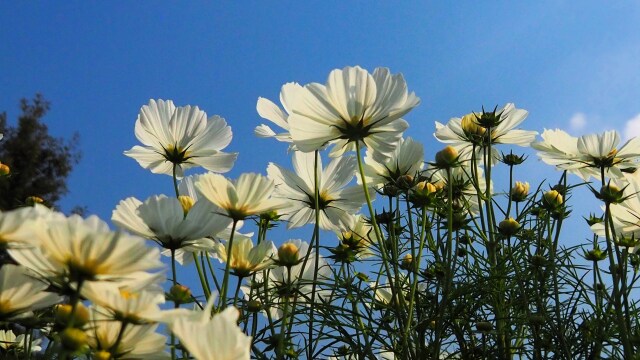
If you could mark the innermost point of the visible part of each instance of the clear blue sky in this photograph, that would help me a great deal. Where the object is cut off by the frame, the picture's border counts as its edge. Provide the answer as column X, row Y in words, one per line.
column 99, row 62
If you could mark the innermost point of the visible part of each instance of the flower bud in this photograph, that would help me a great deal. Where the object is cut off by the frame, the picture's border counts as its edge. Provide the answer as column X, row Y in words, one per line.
column 512, row 159
column 593, row 219
column 288, row 254
column 424, row 188
column 489, row 119
column 552, row 199
column 180, row 294
column 520, row 191
column 595, row 255
column 611, row 194
column 4, row 169
column 62, row 314
column 405, row 182
column 390, row 189
column 73, row 339
column 254, row 306
column 102, row 355
column 407, row 262
column 32, row 200
column 186, row 202
column 470, row 125
column 447, row 157
column 508, row 227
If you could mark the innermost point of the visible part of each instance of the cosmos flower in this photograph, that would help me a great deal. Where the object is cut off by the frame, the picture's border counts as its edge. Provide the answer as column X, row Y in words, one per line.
column 123, row 303
column 179, row 224
column 272, row 112
column 18, row 226
column 337, row 202
column 353, row 106
column 217, row 337
column 406, row 159
column 12, row 343
column 75, row 249
column 249, row 195
column 180, row 137
column 587, row 155
column 21, row 293
column 136, row 342
column 466, row 132
column 245, row 258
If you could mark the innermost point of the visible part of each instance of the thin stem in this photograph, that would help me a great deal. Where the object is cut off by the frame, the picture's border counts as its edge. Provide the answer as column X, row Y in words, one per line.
column 227, row 268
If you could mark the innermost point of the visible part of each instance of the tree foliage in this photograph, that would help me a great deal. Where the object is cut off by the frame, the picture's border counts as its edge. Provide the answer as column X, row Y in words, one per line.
column 39, row 162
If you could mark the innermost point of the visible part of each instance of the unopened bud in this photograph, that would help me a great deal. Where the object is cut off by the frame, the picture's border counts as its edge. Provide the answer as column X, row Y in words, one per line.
column 62, row 314
column 254, row 306
column 508, row 227
column 552, row 199
column 595, row 255
column 102, row 355
column 405, row 182
column 471, row 127
column 288, row 254
column 4, row 170
column 520, row 191
column 424, row 188
column 73, row 339
column 407, row 262
column 180, row 294
column 611, row 194
column 32, row 200
column 447, row 157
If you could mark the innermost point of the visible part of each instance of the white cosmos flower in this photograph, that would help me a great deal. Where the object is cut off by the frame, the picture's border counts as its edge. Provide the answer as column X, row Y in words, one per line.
column 18, row 226
column 21, row 293
column 245, row 258
column 337, row 202
column 406, row 159
column 465, row 133
column 182, row 225
column 182, row 137
column 272, row 112
column 10, row 342
column 249, row 195
column 590, row 154
column 353, row 106
column 559, row 149
column 299, row 282
column 124, row 303
column 137, row 341
column 76, row 249
column 213, row 338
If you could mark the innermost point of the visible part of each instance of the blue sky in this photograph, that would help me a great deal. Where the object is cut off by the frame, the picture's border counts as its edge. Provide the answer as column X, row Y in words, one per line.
column 573, row 65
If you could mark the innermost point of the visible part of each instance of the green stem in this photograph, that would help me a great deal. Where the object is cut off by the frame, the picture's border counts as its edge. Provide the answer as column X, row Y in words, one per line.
column 227, row 268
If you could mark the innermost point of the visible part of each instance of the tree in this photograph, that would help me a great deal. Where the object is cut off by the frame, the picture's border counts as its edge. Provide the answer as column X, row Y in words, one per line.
column 39, row 162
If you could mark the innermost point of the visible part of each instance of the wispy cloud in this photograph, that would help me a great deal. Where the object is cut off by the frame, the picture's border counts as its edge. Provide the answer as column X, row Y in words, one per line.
column 632, row 127
column 578, row 121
